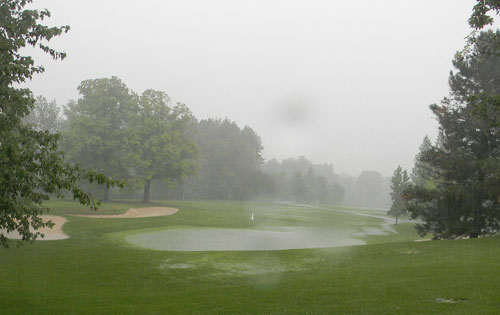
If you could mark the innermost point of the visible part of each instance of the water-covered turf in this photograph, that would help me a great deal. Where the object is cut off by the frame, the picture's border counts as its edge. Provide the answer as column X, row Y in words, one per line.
column 212, row 239
column 96, row 272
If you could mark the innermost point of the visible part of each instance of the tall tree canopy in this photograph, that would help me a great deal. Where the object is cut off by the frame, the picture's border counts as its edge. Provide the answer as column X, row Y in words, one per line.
column 231, row 160
column 95, row 134
column 160, row 141
column 465, row 198
column 477, row 67
column 31, row 166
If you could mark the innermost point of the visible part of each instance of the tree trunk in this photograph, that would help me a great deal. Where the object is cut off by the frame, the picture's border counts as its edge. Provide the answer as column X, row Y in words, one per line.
column 396, row 220
column 147, row 187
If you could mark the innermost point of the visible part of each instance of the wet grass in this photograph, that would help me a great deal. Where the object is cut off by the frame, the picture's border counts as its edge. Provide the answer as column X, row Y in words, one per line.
column 95, row 273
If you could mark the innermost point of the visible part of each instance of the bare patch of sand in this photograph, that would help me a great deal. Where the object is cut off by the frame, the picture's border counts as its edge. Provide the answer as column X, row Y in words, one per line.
column 135, row 213
column 54, row 233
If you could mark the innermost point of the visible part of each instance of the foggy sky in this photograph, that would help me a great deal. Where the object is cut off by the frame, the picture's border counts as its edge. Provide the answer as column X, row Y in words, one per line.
column 342, row 82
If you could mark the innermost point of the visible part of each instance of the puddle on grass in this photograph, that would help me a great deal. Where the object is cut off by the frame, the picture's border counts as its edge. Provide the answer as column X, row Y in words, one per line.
column 261, row 265
column 449, row 301
column 168, row 265
column 411, row 252
column 249, row 269
column 367, row 231
column 212, row 239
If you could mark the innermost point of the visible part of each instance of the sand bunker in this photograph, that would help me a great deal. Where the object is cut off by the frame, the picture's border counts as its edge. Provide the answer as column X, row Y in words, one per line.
column 212, row 239
column 54, row 233
column 134, row 213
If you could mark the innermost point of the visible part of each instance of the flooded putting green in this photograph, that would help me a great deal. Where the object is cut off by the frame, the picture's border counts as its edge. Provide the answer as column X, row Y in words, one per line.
column 211, row 239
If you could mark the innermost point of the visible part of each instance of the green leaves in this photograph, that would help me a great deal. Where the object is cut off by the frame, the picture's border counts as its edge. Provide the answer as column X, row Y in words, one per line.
column 31, row 166
column 95, row 137
column 479, row 17
column 159, row 141
column 135, row 138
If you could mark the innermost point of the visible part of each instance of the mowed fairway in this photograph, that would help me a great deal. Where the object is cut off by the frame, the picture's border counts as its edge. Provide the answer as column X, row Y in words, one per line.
column 96, row 271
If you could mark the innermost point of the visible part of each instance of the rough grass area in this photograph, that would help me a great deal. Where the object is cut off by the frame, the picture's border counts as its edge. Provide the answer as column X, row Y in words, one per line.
column 96, row 272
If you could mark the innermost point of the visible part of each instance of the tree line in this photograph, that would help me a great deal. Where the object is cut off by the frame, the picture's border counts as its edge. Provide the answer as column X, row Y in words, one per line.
column 163, row 150
column 134, row 138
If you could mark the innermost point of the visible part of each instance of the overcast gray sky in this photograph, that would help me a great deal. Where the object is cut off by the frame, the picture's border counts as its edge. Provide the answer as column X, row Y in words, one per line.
column 342, row 82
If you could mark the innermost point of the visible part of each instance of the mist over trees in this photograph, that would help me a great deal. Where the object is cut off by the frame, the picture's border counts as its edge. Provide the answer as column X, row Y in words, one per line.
column 302, row 181
column 163, row 152
column 229, row 169
column 161, row 149
column 135, row 138
column 45, row 116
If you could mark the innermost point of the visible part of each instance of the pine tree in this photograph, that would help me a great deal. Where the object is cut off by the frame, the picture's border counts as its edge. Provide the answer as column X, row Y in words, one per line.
column 465, row 165
column 421, row 172
column 399, row 183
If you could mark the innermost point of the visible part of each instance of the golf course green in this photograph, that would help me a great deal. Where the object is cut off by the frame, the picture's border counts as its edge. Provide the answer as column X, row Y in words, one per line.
column 348, row 264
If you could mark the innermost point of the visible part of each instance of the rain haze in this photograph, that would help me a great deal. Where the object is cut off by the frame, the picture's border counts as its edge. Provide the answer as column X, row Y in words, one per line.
column 341, row 82
column 249, row 157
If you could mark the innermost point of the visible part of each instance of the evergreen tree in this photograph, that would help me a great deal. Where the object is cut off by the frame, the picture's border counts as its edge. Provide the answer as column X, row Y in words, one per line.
column 421, row 172
column 465, row 166
column 399, row 183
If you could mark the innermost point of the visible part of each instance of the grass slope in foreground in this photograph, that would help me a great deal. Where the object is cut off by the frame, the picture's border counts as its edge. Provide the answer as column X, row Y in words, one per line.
column 95, row 272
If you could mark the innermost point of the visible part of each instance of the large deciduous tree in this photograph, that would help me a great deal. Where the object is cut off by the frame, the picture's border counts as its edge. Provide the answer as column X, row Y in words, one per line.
column 95, row 134
column 31, row 166
column 466, row 167
column 160, row 141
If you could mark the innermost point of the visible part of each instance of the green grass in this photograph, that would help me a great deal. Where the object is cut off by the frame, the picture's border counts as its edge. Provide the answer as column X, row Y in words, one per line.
column 95, row 272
